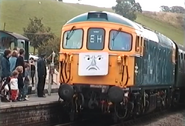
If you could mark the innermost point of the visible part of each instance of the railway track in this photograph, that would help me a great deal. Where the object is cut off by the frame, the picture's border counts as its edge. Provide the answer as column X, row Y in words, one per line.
column 131, row 122
column 66, row 124
column 148, row 118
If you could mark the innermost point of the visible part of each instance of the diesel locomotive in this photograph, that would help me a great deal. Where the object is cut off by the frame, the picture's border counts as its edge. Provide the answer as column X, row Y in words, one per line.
column 111, row 65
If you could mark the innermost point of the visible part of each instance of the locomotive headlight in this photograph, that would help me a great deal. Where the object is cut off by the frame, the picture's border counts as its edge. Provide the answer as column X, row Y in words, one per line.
column 119, row 59
column 71, row 58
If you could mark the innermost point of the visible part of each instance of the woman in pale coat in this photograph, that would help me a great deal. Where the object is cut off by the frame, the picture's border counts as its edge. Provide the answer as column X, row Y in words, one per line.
column 13, row 60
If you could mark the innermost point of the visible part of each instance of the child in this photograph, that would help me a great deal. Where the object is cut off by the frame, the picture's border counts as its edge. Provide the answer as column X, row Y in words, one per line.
column 14, row 85
column 20, row 83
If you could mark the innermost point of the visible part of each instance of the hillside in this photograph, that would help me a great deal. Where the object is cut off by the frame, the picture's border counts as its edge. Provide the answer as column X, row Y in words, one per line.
column 16, row 14
column 174, row 19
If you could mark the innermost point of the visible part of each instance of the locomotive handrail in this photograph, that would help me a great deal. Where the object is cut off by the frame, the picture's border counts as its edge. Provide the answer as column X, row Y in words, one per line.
column 124, row 65
column 65, row 68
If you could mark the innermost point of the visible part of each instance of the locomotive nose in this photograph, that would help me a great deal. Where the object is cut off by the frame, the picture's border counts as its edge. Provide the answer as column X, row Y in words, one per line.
column 115, row 94
column 65, row 92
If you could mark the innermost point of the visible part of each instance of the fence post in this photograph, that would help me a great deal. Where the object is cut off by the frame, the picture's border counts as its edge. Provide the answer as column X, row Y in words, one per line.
column 36, row 77
column 51, row 72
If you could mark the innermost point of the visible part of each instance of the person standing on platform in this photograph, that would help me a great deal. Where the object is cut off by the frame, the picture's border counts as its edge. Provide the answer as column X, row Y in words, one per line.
column 14, row 85
column 42, row 72
column 5, row 64
column 26, row 81
column 20, row 61
column 32, row 64
column 5, row 72
column 13, row 60
column 20, row 84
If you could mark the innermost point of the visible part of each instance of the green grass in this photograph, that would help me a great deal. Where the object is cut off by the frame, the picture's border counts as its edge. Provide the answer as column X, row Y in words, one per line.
column 16, row 14
column 172, row 32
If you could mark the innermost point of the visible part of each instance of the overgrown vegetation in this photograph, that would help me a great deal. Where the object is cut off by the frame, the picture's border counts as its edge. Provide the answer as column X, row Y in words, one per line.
column 174, row 19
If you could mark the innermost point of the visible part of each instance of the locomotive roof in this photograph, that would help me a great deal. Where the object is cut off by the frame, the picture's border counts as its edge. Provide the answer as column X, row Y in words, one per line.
column 104, row 17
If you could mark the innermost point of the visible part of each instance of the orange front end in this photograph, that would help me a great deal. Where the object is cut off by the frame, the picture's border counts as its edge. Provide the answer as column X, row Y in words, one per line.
column 92, row 53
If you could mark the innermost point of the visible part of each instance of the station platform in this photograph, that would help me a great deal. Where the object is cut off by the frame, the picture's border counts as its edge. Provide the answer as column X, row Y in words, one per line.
column 54, row 88
column 37, row 111
column 33, row 100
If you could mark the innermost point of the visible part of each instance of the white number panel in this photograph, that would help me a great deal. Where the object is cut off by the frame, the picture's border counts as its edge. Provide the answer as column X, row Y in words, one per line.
column 93, row 64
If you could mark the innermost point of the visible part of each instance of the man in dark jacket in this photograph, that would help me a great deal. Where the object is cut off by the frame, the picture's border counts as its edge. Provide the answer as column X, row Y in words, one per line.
column 5, row 71
column 20, row 60
column 5, row 64
column 42, row 72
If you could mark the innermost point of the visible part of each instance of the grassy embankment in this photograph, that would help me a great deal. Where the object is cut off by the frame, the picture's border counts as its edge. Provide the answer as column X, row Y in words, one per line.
column 16, row 14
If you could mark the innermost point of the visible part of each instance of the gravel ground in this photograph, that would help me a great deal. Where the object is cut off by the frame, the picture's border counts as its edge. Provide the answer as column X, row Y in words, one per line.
column 174, row 119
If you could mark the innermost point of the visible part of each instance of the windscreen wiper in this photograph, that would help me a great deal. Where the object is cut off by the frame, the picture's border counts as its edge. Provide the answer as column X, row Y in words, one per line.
column 119, row 30
column 70, row 33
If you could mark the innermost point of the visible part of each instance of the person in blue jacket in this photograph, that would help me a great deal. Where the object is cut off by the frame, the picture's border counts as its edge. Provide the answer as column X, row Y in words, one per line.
column 13, row 60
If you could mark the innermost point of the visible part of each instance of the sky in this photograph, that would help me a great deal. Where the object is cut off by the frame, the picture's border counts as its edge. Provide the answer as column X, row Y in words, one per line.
column 147, row 5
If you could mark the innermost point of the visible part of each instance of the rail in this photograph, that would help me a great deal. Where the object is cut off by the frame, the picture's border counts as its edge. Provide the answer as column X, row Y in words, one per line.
column 145, row 119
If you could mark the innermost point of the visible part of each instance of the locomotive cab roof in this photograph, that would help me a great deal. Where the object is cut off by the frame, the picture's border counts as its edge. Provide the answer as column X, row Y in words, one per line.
column 14, row 35
column 104, row 17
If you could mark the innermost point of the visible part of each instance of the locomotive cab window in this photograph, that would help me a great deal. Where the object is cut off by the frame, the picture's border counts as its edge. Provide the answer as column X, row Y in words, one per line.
column 96, row 39
column 181, row 56
column 18, row 44
column 72, row 39
column 120, row 41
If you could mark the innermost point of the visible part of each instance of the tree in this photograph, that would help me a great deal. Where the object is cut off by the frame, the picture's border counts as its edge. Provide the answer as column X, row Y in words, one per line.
column 37, row 33
column 177, row 9
column 165, row 8
column 173, row 9
column 48, row 47
column 127, row 8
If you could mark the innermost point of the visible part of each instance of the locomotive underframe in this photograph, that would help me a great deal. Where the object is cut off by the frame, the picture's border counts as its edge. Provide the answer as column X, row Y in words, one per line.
column 135, row 101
